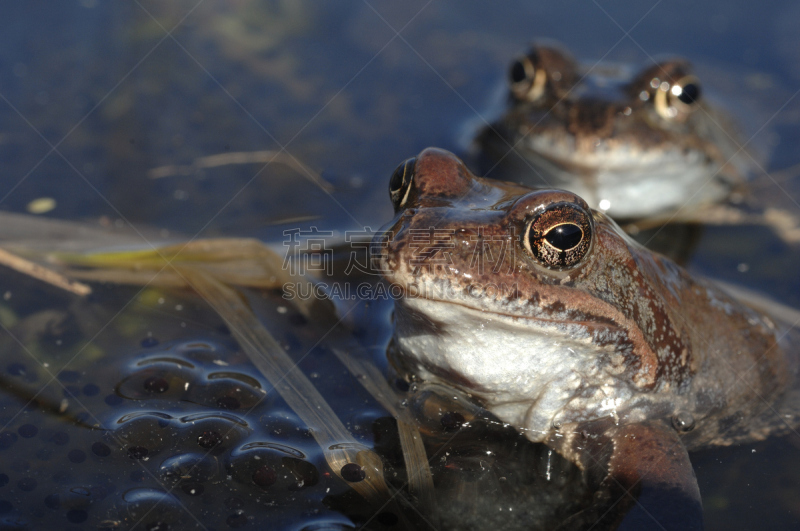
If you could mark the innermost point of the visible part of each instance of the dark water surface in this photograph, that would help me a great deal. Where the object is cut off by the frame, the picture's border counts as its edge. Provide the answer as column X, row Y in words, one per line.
column 98, row 98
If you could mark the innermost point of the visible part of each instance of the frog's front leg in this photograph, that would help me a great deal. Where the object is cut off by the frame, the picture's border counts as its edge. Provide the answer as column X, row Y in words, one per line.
column 643, row 475
column 782, row 222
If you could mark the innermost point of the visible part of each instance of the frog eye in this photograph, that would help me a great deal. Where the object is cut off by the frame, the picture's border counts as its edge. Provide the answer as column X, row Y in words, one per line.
column 527, row 80
column 559, row 235
column 676, row 100
column 686, row 91
column 400, row 183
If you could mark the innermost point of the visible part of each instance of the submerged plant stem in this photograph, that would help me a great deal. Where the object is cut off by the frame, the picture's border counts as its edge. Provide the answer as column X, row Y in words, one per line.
column 339, row 447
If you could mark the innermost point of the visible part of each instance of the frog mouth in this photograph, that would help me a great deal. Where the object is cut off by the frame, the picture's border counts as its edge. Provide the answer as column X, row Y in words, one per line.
column 485, row 313
column 484, row 300
column 623, row 160
column 609, row 335
column 492, row 300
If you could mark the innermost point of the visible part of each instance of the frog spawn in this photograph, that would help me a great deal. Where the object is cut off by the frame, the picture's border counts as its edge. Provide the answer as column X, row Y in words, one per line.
column 178, row 435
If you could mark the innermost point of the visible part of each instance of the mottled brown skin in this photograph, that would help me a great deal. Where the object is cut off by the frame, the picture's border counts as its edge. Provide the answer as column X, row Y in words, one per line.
column 669, row 344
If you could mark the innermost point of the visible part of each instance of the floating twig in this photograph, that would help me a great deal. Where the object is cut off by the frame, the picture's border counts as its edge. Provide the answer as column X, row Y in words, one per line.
column 34, row 270
column 241, row 157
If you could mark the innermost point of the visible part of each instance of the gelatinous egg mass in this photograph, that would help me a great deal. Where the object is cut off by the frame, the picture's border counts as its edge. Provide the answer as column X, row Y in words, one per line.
column 167, row 428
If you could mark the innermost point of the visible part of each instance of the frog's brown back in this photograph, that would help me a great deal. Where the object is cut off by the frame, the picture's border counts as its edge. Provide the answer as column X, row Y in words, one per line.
column 742, row 381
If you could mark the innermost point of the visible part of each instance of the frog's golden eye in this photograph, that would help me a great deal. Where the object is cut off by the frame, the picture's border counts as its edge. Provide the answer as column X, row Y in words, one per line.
column 686, row 91
column 527, row 80
column 400, row 183
column 559, row 235
column 677, row 100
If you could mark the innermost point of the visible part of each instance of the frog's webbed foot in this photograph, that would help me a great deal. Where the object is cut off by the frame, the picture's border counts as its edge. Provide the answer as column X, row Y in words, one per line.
column 644, row 478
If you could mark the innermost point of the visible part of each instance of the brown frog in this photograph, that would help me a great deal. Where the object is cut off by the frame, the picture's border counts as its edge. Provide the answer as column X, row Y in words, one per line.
column 544, row 311
column 633, row 144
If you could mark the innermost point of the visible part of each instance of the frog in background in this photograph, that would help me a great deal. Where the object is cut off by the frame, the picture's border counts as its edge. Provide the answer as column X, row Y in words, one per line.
column 636, row 145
